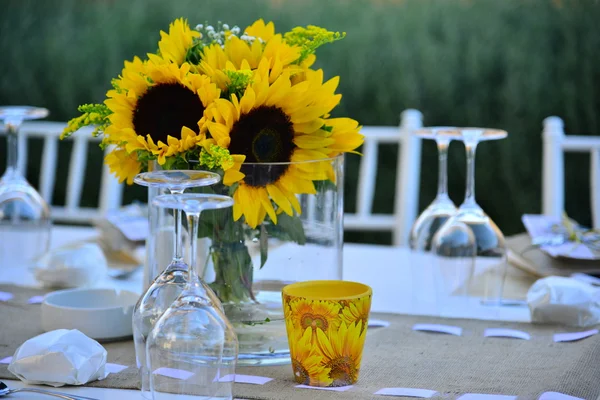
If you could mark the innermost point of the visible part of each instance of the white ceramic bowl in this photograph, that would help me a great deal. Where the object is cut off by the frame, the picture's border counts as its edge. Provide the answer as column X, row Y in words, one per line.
column 102, row 314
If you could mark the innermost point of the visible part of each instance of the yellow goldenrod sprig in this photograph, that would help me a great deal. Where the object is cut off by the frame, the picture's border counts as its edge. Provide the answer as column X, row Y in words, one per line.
column 238, row 81
column 216, row 157
column 92, row 114
column 311, row 38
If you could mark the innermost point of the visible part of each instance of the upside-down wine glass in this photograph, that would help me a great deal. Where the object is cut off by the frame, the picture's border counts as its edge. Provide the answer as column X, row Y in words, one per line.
column 452, row 243
column 442, row 208
column 24, row 215
column 168, row 285
column 423, row 272
column 192, row 349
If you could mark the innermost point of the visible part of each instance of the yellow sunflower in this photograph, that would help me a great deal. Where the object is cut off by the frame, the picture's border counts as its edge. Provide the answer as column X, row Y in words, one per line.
column 237, row 54
column 314, row 314
column 125, row 166
column 278, row 123
column 342, row 351
column 357, row 310
column 306, row 361
column 173, row 46
column 260, row 30
column 158, row 108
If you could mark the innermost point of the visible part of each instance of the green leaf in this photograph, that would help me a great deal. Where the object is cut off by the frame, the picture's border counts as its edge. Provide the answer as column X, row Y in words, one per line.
column 288, row 229
column 264, row 245
column 325, row 185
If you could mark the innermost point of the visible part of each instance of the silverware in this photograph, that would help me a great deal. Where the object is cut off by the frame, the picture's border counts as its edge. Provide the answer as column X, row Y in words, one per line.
column 5, row 391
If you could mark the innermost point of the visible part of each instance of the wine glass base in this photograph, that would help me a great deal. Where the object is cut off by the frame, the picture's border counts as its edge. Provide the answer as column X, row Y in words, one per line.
column 177, row 179
column 22, row 113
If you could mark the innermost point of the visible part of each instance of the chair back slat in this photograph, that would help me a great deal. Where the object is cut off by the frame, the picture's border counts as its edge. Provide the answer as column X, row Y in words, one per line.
column 408, row 176
column 553, row 178
column 76, row 172
column 111, row 192
column 407, row 179
column 48, row 169
column 555, row 144
column 366, row 177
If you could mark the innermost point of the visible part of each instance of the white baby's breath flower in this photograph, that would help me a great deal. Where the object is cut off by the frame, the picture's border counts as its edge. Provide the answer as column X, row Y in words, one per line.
column 226, row 27
column 199, row 27
column 247, row 38
column 235, row 30
column 210, row 28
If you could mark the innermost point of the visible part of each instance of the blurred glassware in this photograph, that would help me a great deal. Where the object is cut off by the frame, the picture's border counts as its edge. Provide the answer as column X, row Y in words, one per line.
column 168, row 285
column 454, row 241
column 454, row 251
column 193, row 337
column 442, row 208
column 24, row 215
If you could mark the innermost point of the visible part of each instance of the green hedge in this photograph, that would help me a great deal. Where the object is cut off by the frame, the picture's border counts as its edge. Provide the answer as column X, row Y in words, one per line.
column 505, row 64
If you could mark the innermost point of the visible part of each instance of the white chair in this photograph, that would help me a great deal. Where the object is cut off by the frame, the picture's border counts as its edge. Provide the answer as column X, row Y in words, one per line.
column 407, row 179
column 111, row 192
column 555, row 144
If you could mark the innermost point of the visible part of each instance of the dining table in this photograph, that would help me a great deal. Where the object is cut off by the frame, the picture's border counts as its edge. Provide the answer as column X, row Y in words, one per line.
column 389, row 270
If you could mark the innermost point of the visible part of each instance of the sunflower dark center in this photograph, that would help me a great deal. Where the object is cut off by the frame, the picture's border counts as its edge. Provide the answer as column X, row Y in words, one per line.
column 343, row 371
column 264, row 135
column 314, row 321
column 301, row 374
column 164, row 109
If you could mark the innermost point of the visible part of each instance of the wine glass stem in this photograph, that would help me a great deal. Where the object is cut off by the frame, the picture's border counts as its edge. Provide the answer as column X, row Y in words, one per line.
column 178, row 237
column 442, row 146
column 470, row 192
column 193, row 218
column 12, row 146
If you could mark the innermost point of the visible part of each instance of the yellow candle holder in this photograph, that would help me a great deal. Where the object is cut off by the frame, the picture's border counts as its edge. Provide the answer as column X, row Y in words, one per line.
column 326, row 325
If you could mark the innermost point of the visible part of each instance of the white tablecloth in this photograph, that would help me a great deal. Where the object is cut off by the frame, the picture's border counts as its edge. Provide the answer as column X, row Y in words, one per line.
column 388, row 270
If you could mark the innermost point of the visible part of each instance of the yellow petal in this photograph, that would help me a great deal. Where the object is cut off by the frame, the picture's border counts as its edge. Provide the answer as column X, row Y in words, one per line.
column 312, row 142
column 298, row 186
column 309, row 127
column 247, row 101
column 219, row 132
column 280, row 199
column 237, row 206
column 291, row 198
column 231, row 176
column 266, row 203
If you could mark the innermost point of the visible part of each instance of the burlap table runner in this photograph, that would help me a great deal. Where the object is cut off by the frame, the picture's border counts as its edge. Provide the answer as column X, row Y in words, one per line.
column 394, row 357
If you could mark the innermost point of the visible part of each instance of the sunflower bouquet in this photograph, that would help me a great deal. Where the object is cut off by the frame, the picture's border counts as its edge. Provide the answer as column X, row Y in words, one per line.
column 228, row 100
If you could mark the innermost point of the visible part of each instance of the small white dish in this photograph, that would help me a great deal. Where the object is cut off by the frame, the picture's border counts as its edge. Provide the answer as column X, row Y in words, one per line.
column 102, row 314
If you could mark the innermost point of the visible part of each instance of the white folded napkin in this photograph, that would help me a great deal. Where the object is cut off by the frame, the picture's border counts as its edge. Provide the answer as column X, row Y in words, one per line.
column 540, row 230
column 77, row 265
column 57, row 358
column 567, row 301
